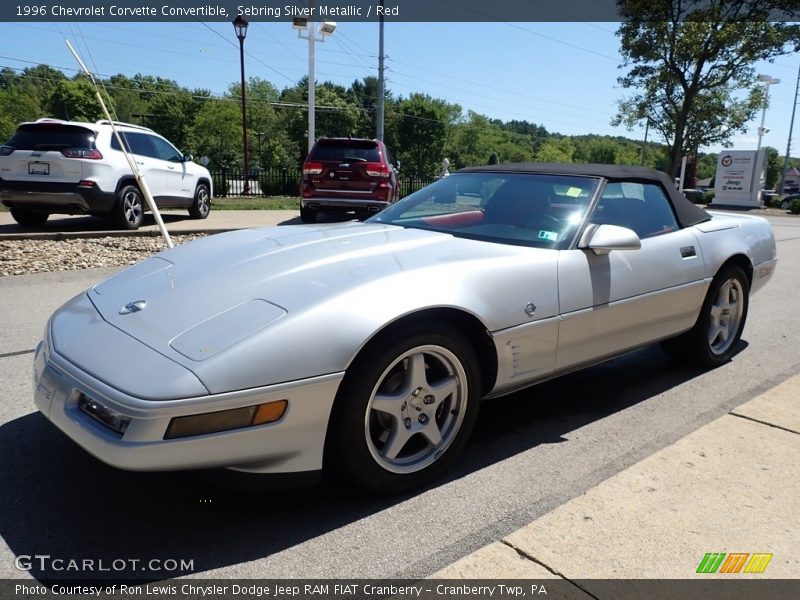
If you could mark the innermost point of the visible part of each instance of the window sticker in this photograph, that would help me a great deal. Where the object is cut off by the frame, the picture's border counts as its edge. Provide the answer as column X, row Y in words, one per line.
column 550, row 236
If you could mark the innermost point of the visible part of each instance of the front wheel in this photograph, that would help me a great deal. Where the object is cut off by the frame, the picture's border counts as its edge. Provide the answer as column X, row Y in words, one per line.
column 202, row 202
column 713, row 339
column 405, row 409
column 785, row 205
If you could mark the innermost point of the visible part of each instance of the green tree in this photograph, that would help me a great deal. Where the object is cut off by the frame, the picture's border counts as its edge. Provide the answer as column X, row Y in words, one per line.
column 688, row 61
column 16, row 107
column 774, row 167
column 76, row 100
column 217, row 133
column 422, row 127
column 556, row 151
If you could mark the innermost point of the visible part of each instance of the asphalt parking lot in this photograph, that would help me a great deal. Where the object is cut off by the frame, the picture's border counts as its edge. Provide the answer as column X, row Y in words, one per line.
column 531, row 452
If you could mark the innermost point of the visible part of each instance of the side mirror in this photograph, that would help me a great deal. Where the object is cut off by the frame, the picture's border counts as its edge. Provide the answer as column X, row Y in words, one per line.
column 187, row 158
column 602, row 239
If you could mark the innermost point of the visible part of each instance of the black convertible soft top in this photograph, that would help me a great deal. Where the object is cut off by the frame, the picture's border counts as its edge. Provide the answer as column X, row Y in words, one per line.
column 687, row 213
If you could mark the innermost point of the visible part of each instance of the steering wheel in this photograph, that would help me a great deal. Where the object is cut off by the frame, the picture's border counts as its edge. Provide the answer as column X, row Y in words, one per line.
column 546, row 222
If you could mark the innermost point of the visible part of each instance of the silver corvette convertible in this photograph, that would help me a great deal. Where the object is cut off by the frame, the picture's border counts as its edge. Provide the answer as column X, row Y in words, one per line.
column 365, row 348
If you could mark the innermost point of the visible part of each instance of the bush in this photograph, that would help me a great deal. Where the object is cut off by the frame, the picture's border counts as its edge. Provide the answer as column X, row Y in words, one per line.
column 708, row 197
column 794, row 207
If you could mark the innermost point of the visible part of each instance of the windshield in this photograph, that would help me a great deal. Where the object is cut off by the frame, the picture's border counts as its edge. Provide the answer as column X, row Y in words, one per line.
column 345, row 150
column 526, row 209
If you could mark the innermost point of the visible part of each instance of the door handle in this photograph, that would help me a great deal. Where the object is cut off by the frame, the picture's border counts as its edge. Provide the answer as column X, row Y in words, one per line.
column 171, row 168
column 139, row 162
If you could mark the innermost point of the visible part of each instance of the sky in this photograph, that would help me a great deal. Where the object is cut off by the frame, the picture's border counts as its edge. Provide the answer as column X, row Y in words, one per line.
column 560, row 75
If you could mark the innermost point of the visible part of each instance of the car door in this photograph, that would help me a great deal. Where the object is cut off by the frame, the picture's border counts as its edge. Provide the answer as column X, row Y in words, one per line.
column 622, row 299
column 171, row 170
column 144, row 154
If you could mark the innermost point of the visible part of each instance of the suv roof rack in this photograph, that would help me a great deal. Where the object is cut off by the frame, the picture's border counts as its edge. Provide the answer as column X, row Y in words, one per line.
column 122, row 124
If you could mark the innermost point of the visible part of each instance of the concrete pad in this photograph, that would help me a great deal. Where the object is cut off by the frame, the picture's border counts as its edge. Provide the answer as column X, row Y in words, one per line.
column 495, row 561
column 731, row 486
column 779, row 406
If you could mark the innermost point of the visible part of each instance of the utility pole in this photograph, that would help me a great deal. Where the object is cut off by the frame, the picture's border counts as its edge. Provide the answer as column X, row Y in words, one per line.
column 789, row 141
column 381, row 89
column 644, row 143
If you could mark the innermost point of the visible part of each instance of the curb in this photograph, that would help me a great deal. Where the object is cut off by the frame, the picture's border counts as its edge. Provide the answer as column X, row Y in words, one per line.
column 67, row 235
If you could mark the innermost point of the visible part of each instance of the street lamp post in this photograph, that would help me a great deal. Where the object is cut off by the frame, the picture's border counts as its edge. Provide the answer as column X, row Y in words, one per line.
column 240, row 26
column 768, row 81
column 309, row 30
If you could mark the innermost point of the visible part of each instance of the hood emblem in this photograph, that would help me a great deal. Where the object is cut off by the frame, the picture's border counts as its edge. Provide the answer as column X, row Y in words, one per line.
column 133, row 307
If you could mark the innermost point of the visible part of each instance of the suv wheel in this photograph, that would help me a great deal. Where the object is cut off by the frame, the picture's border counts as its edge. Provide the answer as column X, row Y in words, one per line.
column 128, row 212
column 202, row 203
column 307, row 215
column 29, row 218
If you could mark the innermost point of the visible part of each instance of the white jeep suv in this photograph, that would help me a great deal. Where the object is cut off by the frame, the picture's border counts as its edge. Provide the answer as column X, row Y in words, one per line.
column 53, row 166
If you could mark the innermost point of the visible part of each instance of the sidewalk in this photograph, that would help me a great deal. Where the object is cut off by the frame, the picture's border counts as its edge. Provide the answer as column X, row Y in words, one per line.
column 732, row 486
column 64, row 226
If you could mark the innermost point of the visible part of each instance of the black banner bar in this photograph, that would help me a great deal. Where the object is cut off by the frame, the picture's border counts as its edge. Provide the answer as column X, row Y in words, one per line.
column 729, row 587
column 330, row 10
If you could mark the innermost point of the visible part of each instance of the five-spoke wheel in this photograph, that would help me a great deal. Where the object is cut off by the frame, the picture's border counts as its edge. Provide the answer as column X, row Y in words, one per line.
column 714, row 338
column 405, row 408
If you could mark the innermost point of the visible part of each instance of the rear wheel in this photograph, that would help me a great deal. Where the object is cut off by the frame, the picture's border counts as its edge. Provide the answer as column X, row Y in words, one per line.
column 29, row 218
column 713, row 339
column 307, row 215
column 405, row 409
column 202, row 202
column 128, row 212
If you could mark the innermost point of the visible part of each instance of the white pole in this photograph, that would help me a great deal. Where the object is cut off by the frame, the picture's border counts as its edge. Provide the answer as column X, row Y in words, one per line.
column 148, row 196
column 683, row 173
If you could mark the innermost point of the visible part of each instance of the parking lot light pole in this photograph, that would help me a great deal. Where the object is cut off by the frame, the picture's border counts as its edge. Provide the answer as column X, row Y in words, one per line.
column 240, row 26
column 309, row 30
column 768, row 81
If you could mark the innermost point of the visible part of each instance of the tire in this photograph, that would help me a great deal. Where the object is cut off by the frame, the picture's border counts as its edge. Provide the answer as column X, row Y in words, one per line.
column 714, row 338
column 785, row 205
column 405, row 409
column 307, row 215
column 128, row 212
column 29, row 218
column 202, row 203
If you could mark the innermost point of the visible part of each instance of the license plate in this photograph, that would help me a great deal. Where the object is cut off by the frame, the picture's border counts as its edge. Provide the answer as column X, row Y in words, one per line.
column 38, row 168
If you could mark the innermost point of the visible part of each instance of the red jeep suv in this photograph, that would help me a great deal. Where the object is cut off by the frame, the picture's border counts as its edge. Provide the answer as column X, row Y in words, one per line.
column 347, row 174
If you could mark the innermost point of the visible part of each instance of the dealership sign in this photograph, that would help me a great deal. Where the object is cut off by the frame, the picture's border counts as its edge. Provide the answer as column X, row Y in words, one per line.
column 739, row 178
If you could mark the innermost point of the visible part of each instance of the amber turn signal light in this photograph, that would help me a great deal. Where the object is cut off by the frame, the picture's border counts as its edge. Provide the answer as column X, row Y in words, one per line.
column 226, row 420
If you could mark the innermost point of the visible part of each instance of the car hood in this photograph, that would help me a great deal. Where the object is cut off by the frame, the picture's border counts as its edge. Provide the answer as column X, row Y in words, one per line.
column 196, row 301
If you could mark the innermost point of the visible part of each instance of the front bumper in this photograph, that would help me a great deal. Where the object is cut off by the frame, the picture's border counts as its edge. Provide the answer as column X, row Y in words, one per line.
column 293, row 444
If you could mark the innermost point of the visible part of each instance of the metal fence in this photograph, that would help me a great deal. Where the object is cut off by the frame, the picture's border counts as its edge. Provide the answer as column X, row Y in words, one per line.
column 281, row 181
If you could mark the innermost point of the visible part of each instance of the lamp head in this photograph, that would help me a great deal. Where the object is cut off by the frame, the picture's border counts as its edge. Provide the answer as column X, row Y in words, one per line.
column 327, row 27
column 240, row 27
